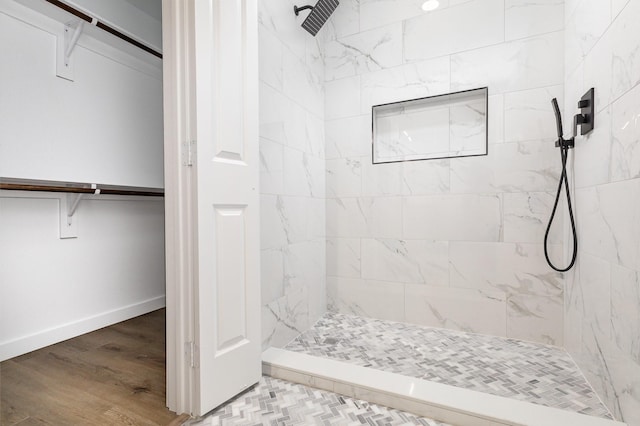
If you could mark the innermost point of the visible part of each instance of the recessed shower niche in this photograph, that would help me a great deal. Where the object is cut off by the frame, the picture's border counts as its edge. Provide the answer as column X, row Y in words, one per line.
column 442, row 126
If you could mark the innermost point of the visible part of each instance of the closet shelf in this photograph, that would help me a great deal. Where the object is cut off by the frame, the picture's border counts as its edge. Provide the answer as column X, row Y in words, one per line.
column 12, row 184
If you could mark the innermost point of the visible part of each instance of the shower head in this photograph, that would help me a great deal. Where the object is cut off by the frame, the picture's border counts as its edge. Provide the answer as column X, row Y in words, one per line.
column 318, row 16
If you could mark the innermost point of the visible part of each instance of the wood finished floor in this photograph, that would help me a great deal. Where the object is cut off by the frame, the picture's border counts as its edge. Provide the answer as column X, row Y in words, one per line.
column 112, row 376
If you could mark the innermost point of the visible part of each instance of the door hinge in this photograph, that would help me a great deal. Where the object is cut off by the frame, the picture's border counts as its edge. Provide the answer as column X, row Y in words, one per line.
column 192, row 354
column 188, row 153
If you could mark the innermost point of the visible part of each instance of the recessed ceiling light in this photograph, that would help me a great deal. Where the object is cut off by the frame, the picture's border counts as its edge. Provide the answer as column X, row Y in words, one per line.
column 430, row 5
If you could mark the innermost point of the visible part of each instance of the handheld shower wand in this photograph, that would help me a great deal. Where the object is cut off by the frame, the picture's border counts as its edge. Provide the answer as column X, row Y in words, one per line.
column 585, row 120
column 564, row 145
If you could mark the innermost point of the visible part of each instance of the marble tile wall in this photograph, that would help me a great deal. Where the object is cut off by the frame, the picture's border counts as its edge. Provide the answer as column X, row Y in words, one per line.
column 453, row 243
column 292, row 174
column 602, row 302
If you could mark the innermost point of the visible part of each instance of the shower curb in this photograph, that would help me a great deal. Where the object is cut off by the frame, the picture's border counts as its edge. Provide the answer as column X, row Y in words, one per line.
column 449, row 404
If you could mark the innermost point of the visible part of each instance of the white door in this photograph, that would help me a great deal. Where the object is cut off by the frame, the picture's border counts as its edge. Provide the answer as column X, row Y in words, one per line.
column 216, row 89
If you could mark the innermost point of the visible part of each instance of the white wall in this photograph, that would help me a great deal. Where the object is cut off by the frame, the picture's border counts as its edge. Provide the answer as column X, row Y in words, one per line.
column 448, row 243
column 52, row 289
column 292, row 182
column 103, row 127
column 602, row 303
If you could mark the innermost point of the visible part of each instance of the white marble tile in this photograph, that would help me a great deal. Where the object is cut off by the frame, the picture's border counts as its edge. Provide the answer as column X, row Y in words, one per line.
column 456, row 308
column 316, row 218
column 349, row 137
column 342, row 98
column 598, row 74
column 510, row 167
column 592, row 156
column 375, row 13
column 535, row 319
column 573, row 313
column 379, row 217
column 301, row 84
column 425, row 177
column 297, row 216
column 452, row 217
column 347, row 217
column 617, row 6
column 507, row 67
column 526, row 216
column 385, row 220
column 278, row 17
column 271, row 167
column 272, row 231
column 625, row 310
column 625, row 132
column 439, row 33
column 405, row 82
column 596, row 365
column 303, row 174
column 573, row 91
column 274, row 108
column 304, row 264
column 343, row 257
column 625, row 36
column 294, row 118
column 270, row 58
column 624, row 375
column 406, row 261
column 570, row 7
column 271, row 275
column 595, row 280
column 495, row 119
column 513, row 268
column 344, row 177
column 345, row 20
column 583, row 29
column 317, row 292
column 314, row 47
column 468, row 128
column 360, row 297
column 364, row 52
column 315, row 135
column 525, row 18
column 606, row 229
column 528, row 114
column 381, row 179
column 285, row 318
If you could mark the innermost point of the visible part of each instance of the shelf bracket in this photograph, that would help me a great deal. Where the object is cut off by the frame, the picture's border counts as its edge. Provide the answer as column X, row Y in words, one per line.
column 68, row 207
column 66, row 43
column 68, row 228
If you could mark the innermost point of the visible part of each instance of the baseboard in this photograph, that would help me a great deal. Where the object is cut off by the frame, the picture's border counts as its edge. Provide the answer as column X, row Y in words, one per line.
column 449, row 404
column 66, row 331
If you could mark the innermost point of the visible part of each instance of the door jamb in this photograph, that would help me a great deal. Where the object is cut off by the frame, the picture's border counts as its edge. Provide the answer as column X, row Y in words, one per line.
column 179, row 179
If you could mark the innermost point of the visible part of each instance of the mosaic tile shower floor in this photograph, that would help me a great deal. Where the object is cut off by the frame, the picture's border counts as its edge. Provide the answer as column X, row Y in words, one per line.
column 277, row 402
column 525, row 371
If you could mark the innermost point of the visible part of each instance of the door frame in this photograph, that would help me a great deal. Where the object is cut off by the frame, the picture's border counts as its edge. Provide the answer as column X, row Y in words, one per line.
column 180, row 210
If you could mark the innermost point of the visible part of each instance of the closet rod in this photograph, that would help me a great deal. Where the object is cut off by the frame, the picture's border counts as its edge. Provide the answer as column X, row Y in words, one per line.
column 78, row 188
column 103, row 26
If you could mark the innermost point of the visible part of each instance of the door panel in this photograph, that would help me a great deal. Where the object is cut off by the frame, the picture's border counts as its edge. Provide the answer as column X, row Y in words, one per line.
column 227, row 170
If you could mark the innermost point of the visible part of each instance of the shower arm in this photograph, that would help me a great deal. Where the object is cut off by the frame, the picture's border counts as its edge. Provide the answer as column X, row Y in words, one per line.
column 297, row 9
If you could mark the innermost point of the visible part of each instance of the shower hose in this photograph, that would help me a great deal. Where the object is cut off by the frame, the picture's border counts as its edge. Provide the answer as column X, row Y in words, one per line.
column 564, row 154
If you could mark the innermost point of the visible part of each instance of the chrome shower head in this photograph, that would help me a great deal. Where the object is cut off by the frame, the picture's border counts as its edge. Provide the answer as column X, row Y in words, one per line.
column 318, row 16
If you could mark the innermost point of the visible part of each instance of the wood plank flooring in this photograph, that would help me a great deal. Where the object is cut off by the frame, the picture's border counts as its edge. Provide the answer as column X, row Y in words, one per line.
column 112, row 376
